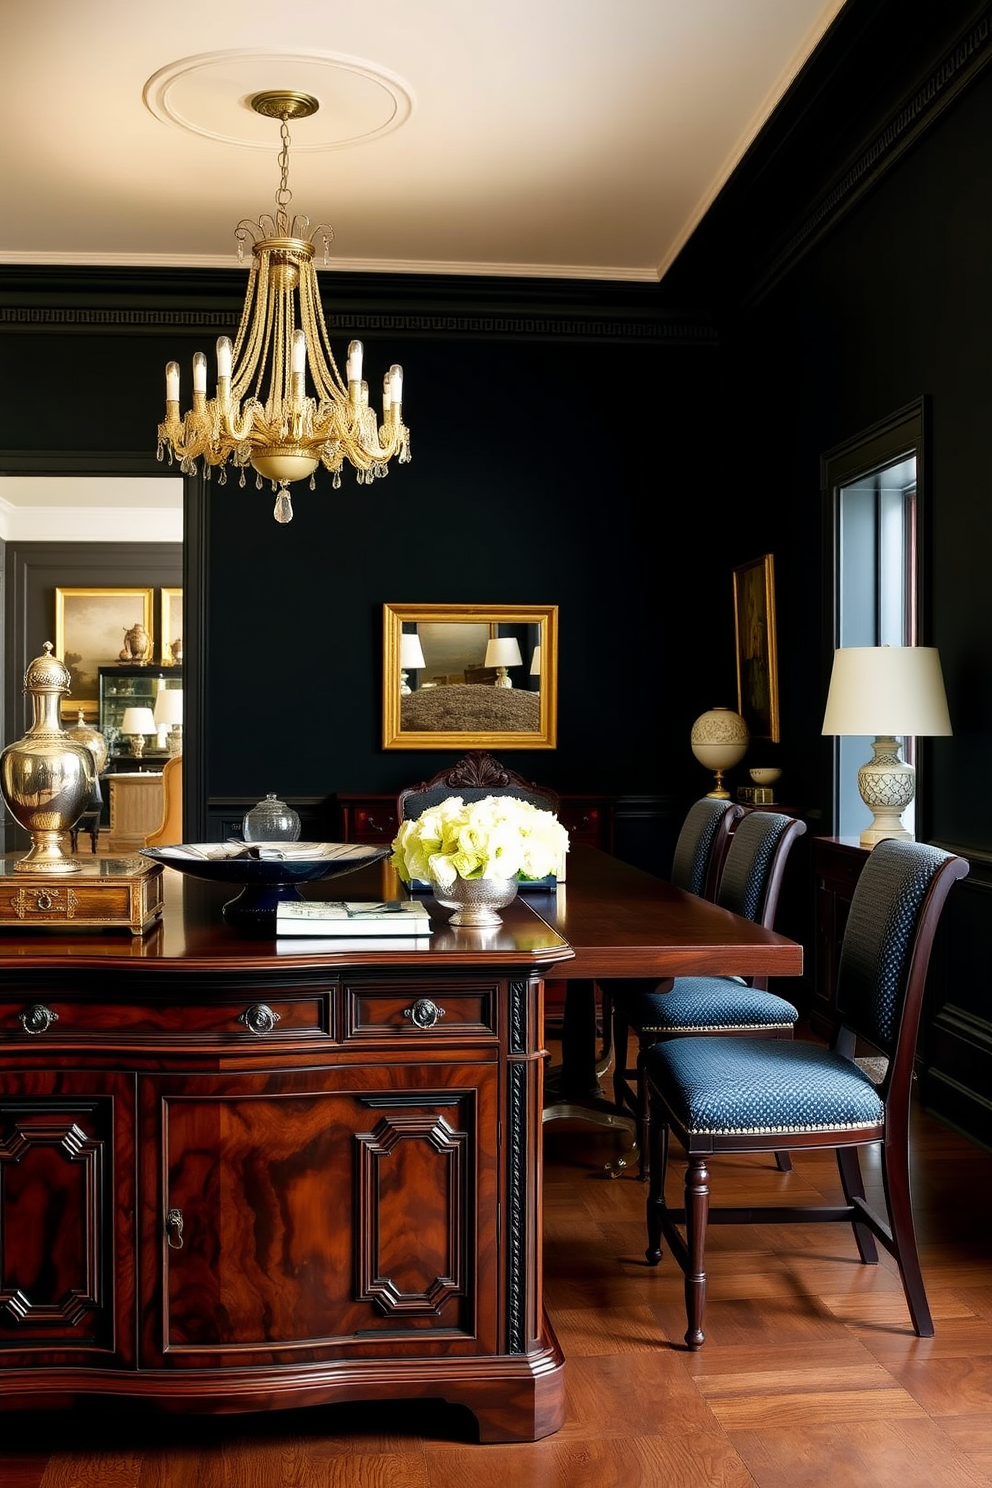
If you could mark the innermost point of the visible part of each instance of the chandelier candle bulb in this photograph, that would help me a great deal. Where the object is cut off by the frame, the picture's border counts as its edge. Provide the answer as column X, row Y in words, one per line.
column 199, row 374
column 172, row 383
column 299, row 354
column 223, row 360
column 356, row 352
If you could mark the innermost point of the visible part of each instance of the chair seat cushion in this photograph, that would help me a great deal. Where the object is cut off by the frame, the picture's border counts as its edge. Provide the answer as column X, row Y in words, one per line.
column 702, row 1004
column 734, row 1086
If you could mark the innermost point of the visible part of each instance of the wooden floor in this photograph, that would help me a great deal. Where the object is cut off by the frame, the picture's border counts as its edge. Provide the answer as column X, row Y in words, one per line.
column 810, row 1374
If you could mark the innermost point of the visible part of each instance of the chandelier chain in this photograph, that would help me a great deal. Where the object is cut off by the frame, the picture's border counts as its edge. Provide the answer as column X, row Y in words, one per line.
column 283, row 194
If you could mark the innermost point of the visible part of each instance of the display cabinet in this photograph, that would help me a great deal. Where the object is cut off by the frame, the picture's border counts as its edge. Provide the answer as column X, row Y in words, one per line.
column 130, row 687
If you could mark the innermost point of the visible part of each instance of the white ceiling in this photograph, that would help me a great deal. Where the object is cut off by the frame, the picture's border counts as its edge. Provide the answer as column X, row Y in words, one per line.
column 561, row 138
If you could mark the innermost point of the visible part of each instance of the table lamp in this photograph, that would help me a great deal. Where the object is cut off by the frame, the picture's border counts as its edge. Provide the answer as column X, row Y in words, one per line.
column 136, row 723
column 891, row 692
column 719, row 741
column 411, row 659
column 503, row 652
column 168, row 710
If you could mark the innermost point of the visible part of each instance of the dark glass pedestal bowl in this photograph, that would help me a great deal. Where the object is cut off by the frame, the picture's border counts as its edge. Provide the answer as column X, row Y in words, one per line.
column 267, row 873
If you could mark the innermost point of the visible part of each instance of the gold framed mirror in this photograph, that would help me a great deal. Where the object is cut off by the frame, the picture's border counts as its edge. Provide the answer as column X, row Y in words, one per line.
column 469, row 676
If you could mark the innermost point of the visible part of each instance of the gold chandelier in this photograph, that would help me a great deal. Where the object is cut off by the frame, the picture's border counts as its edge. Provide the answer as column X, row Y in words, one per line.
column 261, row 414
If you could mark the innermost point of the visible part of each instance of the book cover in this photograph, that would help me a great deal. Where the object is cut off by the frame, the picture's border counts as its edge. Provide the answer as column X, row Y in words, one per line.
column 352, row 917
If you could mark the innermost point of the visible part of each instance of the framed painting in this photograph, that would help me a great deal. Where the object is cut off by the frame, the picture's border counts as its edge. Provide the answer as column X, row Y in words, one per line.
column 91, row 631
column 171, row 626
column 757, row 652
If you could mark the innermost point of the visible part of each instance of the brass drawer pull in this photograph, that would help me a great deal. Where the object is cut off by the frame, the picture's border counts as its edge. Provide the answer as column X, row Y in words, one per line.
column 174, row 1229
column 424, row 1013
column 259, row 1019
column 38, row 1018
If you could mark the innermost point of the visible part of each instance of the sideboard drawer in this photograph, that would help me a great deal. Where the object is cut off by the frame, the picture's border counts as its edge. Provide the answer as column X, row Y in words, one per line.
column 368, row 819
column 383, row 1012
column 589, row 819
column 254, row 1019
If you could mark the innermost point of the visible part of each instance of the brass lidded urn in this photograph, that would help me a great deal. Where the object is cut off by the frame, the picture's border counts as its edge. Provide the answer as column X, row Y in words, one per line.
column 46, row 778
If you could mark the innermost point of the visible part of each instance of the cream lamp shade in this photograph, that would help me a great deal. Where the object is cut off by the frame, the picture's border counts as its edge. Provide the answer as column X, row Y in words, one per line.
column 168, row 713
column 503, row 652
column 891, row 693
column 136, row 723
column 535, row 662
column 169, row 706
column 411, row 658
column 719, row 741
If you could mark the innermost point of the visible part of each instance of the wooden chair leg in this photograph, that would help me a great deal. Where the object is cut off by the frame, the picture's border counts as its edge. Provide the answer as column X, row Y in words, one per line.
column 658, row 1137
column 895, row 1178
column 697, row 1208
column 606, row 1025
column 852, row 1180
column 621, row 1045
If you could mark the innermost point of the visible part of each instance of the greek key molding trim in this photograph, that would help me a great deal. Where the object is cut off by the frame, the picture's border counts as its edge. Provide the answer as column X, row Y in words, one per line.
column 566, row 327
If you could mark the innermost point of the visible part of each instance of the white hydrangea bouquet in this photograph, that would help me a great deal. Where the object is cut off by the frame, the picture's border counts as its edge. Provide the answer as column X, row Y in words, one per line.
column 497, row 837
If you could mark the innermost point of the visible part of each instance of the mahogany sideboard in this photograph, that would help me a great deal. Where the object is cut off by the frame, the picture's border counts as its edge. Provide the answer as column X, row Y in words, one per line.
column 238, row 1174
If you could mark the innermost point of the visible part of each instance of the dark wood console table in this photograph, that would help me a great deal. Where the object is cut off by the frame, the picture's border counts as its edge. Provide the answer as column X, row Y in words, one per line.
column 240, row 1174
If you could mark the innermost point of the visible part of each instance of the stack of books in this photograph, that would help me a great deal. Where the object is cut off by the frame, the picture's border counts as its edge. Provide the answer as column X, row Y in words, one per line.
column 402, row 919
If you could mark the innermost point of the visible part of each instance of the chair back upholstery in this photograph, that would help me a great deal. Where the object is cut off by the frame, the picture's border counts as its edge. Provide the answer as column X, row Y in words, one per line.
column 755, row 862
column 887, row 942
column 475, row 776
column 702, row 845
column 170, row 829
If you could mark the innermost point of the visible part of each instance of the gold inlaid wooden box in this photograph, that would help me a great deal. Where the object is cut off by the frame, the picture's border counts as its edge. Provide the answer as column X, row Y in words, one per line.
column 105, row 893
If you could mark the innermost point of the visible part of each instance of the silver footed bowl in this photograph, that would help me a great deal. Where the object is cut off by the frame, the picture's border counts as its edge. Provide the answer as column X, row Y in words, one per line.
column 266, row 872
column 476, row 900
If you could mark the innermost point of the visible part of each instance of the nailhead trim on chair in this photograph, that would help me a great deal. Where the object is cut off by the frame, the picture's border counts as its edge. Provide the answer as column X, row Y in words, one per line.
column 704, row 1004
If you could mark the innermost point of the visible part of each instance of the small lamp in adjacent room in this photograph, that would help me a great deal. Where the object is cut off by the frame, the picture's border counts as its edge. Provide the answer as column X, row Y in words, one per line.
column 503, row 652
column 411, row 659
column 136, row 723
column 891, row 692
column 719, row 741
column 168, row 710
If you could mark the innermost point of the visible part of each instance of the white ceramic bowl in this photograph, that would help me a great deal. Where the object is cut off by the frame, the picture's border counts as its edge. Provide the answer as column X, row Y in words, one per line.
column 765, row 777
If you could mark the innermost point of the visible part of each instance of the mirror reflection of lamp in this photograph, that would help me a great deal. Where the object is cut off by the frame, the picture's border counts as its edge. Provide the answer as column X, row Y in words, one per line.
column 136, row 723
column 168, row 714
column 719, row 741
column 535, row 661
column 503, row 652
column 411, row 659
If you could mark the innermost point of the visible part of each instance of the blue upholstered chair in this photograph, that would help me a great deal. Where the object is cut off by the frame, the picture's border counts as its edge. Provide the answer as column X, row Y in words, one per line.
column 730, row 1095
column 750, row 883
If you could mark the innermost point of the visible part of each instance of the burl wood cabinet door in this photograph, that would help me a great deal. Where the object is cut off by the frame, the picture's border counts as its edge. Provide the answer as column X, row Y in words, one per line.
column 66, row 1219
column 322, row 1214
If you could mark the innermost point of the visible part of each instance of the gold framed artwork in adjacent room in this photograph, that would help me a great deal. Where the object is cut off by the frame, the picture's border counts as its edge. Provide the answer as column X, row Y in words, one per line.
column 757, row 650
column 446, row 697
column 171, row 627
column 91, row 627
